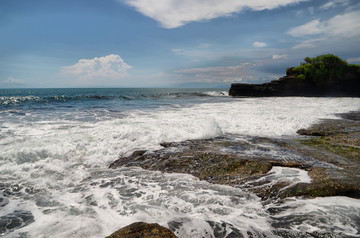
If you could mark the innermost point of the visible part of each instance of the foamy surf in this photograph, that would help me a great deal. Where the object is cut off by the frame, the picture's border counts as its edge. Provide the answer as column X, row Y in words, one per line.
column 108, row 200
column 54, row 158
column 334, row 216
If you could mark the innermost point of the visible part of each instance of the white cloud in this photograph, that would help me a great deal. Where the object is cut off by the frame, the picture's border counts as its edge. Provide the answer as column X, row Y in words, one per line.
column 245, row 72
column 353, row 60
column 259, row 44
column 334, row 3
column 200, row 49
column 280, row 57
column 176, row 13
column 10, row 81
column 179, row 51
column 219, row 74
column 309, row 43
column 300, row 13
column 103, row 68
column 346, row 25
column 304, row 45
column 328, row 5
column 310, row 28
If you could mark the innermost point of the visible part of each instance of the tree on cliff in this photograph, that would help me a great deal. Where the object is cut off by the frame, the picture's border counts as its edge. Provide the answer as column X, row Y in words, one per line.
column 324, row 75
column 324, row 70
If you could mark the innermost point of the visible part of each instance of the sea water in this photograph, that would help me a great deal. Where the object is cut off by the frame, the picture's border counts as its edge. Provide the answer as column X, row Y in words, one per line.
column 56, row 145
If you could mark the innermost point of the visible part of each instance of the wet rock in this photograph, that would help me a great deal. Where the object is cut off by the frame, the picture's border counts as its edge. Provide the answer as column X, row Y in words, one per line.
column 329, row 151
column 201, row 158
column 15, row 220
column 221, row 160
column 3, row 201
column 354, row 116
column 143, row 230
column 332, row 127
column 221, row 230
column 337, row 142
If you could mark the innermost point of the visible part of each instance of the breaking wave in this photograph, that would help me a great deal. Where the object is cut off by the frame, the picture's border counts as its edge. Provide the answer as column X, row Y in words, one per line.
column 60, row 95
column 55, row 181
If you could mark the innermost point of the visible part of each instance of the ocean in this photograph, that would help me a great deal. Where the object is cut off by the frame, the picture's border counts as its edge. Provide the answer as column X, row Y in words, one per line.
column 56, row 146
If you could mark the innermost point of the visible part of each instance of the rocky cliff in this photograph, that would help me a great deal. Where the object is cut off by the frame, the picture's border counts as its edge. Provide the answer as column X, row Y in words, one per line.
column 292, row 86
column 325, row 75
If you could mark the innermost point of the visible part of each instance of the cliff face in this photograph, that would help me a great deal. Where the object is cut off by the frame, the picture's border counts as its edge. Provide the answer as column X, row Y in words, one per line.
column 324, row 75
column 293, row 86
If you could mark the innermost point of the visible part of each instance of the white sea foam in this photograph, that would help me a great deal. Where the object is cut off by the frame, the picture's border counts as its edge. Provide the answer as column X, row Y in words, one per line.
column 111, row 199
column 59, row 156
column 337, row 216
column 217, row 93
column 20, row 99
column 277, row 174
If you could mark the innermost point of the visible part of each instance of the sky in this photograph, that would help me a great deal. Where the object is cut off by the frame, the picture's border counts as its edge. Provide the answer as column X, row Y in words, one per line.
column 168, row 43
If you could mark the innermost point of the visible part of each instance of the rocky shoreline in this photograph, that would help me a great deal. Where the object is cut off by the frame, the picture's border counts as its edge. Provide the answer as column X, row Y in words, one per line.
column 322, row 76
column 290, row 85
column 329, row 151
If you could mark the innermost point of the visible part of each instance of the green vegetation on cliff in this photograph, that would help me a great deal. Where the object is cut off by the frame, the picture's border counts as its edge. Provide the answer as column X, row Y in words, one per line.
column 324, row 70
column 322, row 76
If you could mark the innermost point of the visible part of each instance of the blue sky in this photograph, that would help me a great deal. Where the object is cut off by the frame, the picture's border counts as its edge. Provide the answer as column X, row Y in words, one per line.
column 168, row 43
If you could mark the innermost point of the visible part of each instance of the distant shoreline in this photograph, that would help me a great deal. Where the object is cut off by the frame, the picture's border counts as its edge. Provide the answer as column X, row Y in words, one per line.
column 322, row 76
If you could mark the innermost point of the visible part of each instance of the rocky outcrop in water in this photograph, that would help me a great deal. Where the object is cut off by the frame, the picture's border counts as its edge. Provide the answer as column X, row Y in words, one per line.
column 335, row 142
column 285, row 86
column 293, row 86
column 143, row 230
column 332, row 160
column 325, row 75
column 329, row 151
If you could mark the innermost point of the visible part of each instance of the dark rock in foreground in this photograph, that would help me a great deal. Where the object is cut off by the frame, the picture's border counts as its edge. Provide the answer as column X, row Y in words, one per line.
column 143, row 230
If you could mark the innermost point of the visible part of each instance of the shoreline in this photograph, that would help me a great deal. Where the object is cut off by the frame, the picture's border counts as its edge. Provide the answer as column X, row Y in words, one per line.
column 329, row 151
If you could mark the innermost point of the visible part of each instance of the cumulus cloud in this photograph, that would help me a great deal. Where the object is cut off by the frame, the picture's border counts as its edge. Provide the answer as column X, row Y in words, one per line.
column 259, row 44
column 102, row 68
column 176, row 13
column 280, row 57
column 346, row 25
